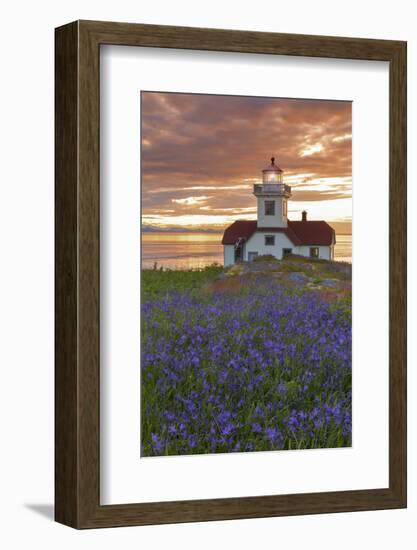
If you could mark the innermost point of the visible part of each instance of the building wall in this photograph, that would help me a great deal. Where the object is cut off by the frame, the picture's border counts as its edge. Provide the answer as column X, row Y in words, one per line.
column 228, row 254
column 257, row 244
column 325, row 252
column 278, row 220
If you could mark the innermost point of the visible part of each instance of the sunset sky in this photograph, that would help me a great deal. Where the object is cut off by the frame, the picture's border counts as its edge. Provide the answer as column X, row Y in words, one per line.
column 201, row 155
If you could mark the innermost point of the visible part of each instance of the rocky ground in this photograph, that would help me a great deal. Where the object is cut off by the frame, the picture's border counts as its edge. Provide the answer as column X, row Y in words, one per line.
column 292, row 272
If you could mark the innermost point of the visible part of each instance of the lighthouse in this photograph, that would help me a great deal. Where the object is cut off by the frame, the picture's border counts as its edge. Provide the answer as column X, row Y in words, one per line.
column 272, row 233
column 272, row 197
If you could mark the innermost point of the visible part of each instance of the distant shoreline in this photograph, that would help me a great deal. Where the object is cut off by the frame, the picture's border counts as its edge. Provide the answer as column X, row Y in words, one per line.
column 210, row 231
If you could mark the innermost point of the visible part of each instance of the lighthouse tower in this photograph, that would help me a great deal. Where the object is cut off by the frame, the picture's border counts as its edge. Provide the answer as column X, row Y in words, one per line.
column 272, row 196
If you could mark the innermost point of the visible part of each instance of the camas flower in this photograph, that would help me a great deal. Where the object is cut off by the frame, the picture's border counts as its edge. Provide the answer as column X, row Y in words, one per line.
column 266, row 369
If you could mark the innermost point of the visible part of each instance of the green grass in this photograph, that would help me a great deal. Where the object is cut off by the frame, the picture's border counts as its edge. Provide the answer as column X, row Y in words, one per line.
column 157, row 283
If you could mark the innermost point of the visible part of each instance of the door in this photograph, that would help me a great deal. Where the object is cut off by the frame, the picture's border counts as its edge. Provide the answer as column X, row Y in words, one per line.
column 238, row 253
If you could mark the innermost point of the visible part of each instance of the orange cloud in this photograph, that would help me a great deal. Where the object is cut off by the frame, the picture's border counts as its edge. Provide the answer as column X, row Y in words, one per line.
column 219, row 144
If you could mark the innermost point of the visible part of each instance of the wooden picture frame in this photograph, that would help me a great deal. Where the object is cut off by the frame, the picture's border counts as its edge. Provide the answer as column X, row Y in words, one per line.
column 77, row 382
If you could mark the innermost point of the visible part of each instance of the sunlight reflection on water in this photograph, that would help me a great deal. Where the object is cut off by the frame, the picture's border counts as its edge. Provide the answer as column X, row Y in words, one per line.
column 192, row 250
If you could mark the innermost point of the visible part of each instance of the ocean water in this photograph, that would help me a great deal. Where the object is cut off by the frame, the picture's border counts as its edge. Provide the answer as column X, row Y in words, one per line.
column 343, row 248
column 193, row 250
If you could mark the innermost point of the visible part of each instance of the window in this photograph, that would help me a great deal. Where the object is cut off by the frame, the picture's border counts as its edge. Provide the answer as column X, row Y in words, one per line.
column 269, row 208
column 269, row 240
column 286, row 251
column 285, row 209
column 314, row 252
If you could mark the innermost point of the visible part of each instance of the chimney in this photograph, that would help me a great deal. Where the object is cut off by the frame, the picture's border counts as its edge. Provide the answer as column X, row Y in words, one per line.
column 304, row 216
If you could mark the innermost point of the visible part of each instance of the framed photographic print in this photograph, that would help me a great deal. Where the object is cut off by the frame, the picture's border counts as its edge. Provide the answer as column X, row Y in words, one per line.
column 230, row 274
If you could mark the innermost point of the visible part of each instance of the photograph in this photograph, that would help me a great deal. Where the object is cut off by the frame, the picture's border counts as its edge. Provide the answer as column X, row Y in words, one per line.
column 246, row 262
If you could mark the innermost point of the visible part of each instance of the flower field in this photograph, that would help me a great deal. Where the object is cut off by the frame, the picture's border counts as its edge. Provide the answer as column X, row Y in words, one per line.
column 250, row 363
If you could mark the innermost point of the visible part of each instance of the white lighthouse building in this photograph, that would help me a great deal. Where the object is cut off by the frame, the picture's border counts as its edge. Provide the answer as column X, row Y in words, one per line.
column 272, row 232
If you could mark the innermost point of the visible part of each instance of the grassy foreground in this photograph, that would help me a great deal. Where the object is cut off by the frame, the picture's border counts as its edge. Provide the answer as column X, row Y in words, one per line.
column 257, row 357
column 157, row 283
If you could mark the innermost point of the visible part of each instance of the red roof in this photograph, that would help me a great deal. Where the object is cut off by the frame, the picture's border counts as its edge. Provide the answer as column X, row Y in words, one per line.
column 300, row 233
column 313, row 232
column 241, row 229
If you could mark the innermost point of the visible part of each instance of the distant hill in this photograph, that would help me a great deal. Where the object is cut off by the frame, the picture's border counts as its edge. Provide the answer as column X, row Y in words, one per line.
column 341, row 228
column 153, row 229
